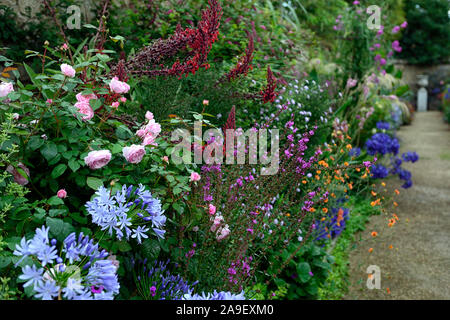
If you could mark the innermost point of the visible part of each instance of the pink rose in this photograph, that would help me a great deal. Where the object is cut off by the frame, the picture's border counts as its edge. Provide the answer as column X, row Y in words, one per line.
column 195, row 176
column 115, row 104
column 217, row 221
column 97, row 159
column 62, row 193
column 149, row 140
column 5, row 89
column 165, row 159
column 134, row 153
column 18, row 178
column 205, row 102
column 85, row 108
column 223, row 233
column 149, row 115
column 67, row 70
column 123, row 99
column 85, row 98
column 118, row 86
column 212, row 209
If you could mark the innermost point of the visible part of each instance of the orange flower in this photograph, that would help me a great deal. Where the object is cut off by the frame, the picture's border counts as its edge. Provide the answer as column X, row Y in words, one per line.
column 397, row 192
column 312, row 210
column 390, row 247
column 331, row 157
column 318, row 172
column 317, row 177
column 395, row 204
column 323, row 219
column 374, row 193
column 374, row 233
column 383, row 184
column 304, row 182
column 346, row 163
column 325, row 210
column 370, row 250
column 388, row 290
column 333, row 195
column 288, row 214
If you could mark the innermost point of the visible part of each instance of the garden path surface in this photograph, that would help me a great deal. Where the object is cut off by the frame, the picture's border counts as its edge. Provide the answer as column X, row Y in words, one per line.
column 418, row 265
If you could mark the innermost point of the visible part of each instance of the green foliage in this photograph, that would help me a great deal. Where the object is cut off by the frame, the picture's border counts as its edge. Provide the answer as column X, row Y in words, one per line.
column 336, row 284
column 305, row 272
column 427, row 39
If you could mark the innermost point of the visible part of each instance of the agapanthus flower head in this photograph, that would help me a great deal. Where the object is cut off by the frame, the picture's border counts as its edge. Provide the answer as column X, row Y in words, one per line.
column 130, row 212
column 410, row 156
column 222, row 295
column 383, row 125
column 379, row 171
column 78, row 271
column 383, row 144
column 156, row 282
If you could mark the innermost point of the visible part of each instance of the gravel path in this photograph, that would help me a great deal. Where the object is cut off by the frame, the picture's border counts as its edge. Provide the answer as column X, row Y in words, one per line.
column 418, row 265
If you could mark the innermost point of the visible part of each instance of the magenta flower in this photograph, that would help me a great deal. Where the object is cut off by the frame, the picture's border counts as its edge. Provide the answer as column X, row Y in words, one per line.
column 395, row 30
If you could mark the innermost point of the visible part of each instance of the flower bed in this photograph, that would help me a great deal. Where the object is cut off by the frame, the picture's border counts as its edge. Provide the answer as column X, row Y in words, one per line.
column 98, row 200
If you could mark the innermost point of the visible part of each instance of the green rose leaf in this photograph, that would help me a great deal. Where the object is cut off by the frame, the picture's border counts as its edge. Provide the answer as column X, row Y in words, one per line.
column 94, row 183
column 49, row 151
column 58, row 171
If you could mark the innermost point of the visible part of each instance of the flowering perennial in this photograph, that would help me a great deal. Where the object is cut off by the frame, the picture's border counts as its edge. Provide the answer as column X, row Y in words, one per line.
column 127, row 213
column 79, row 271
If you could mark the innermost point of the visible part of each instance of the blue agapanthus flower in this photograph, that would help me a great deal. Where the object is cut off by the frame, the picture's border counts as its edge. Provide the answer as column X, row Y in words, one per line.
column 382, row 143
column 127, row 213
column 155, row 282
column 379, row 171
column 410, row 156
column 382, row 125
column 333, row 225
column 222, row 295
column 78, row 271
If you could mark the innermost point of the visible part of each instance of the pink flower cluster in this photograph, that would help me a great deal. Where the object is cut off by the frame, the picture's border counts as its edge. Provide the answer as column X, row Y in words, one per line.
column 84, row 107
column 117, row 86
column 134, row 153
column 150, row 131
column 97, row 159
column 5, row 89
column 67, row 70
column 222, row 231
